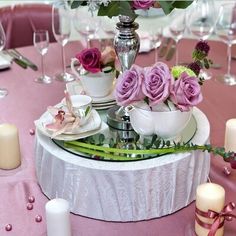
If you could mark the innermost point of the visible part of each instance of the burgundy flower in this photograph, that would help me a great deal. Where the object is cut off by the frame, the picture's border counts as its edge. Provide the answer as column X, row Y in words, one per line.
column 142, row 4
column 186, row 92
column 195, row 67
column 90, row 59
column 203, row 47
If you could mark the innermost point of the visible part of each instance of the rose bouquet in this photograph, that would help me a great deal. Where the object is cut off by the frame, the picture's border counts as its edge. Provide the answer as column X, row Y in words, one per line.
column 159, row 88
column 93, row 61
column 115, row 8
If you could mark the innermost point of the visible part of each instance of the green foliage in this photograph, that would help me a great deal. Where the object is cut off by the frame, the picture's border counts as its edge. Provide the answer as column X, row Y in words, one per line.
column 115, row 8
column 100, row 148
column 168, row 6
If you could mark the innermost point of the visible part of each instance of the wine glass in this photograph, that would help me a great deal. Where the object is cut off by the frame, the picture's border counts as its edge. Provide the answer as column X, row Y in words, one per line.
column 3, row 91
column 201, row 23
column 226, row 31
column 41, row 43
column 86, row 25
column 177, row 27
column 61, row 28
column 156, row 39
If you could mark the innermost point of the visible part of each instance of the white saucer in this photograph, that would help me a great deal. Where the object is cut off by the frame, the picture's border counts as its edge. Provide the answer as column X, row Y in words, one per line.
column 93, row 126
column 75, row 88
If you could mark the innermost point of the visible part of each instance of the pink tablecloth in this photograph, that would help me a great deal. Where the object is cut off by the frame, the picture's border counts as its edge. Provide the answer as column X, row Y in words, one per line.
column 27, row 100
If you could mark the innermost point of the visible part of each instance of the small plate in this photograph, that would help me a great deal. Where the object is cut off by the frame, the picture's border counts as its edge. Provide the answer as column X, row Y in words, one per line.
column 93, row 126
column 75, row 88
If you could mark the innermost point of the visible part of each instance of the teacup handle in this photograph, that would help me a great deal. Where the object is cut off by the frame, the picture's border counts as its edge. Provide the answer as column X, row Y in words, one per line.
column 72, row 65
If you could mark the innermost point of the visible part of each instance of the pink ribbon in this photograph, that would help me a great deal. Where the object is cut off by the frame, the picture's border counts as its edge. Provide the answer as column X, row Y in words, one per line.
column 225, row 214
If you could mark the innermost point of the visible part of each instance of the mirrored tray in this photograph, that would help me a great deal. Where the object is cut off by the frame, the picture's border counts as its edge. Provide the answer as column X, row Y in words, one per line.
column 186, row 137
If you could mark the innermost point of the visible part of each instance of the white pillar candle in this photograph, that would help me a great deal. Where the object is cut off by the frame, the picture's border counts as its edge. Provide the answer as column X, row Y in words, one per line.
column 230, row 135
column 58, row 218
column 9, row 147
column 209, row 197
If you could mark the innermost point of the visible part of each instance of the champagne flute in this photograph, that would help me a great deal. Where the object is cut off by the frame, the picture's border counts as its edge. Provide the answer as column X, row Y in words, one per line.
column 177, row 27
column 156, row 39
column 61, row 29
column 201, row 23
column 226, row 31
column 86, row 25
column 41, row 43
column 3, row 91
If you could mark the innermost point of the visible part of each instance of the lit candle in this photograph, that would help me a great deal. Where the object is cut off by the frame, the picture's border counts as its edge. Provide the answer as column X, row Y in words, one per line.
column 209, row 197
column 9, row 147
column 230, row 135
column 58, row 218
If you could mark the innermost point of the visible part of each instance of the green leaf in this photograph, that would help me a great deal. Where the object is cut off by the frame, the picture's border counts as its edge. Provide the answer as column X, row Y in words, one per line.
column 168, row 6
column 76, row 4
column 115, row 8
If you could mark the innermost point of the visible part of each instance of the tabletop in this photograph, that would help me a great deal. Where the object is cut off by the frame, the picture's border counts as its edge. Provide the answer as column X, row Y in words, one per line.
column 27, row 100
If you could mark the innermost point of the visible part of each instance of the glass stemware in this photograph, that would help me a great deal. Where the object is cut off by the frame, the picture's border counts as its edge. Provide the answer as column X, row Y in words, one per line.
column 86, row 25
column 156, row 39
column 41, row 43
column 3, row 91
column 61, row 28
column 226, row 31
column 177, row 27
column 201, row 23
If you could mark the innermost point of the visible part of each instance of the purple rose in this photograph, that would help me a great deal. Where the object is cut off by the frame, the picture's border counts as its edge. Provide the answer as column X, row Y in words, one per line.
column 128, row 87
column 142, row 4
column 186, row 92
column 90, row 59
column 157, row 83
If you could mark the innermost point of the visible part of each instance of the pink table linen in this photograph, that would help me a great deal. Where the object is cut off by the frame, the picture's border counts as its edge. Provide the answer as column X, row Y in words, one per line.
column 27, row 100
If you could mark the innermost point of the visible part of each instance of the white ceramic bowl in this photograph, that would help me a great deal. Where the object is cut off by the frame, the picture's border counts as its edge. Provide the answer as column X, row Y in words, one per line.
column 166, row 124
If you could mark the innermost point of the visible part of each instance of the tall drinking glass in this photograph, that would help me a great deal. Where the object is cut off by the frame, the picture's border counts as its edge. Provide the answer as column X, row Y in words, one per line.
column 226, row 31
column 41, row 43
column 177, row 27
column 3, row 91
column 156, row 39
column 201, row 23
column 86, row 25
column 61, row 26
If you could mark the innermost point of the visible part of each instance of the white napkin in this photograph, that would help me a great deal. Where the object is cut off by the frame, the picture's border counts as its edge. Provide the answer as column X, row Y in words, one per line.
column 145, row 42
column 4, row 63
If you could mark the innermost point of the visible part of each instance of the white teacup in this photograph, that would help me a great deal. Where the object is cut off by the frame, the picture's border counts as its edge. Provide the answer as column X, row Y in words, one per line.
column 98, row 84
column 81, row 106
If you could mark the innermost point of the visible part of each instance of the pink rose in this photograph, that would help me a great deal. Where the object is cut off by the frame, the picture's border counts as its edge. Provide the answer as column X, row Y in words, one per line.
column 142, row 4
column 186, row 92
column 90, row 59
column 108, row 55
column 128, row 88
column 157, row 83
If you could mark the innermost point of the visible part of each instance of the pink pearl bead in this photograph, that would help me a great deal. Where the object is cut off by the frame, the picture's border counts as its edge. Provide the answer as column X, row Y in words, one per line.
column 29, row 206
column 32, row 131
column 38, row 218
column 8, row 227
column 226, row 171
column 31, row 199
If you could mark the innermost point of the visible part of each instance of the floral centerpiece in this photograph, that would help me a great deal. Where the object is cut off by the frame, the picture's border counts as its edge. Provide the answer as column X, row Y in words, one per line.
column 162, row 98
column 96, row 70
column 159, row 88
column 115, row 8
